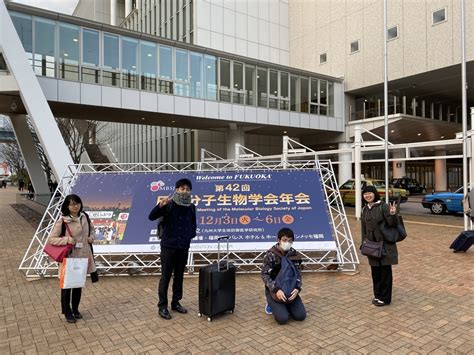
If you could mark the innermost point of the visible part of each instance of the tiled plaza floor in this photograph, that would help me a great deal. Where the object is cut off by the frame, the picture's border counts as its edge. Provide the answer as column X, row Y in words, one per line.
column 432, row 308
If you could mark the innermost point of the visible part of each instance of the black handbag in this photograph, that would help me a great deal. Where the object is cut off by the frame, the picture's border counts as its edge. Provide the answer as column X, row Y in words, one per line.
column 372, row 249
column 394, row 234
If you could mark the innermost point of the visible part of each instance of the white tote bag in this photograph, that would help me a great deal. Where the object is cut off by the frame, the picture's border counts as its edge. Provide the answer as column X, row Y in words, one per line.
column 73, row 272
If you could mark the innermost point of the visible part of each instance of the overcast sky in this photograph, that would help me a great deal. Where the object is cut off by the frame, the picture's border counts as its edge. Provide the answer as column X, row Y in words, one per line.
column 65, row 6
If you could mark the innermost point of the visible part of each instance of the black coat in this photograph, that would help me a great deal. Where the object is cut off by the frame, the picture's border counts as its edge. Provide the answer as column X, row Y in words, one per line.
column 179, row 224
column 371, row 221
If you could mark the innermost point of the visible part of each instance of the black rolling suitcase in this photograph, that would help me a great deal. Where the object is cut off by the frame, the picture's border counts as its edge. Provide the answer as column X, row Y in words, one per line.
column 463, row 241
column 217, row 286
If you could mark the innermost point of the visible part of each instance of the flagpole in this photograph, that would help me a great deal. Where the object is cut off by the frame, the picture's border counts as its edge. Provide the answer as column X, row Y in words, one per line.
column 464, row 108
column 385, row 98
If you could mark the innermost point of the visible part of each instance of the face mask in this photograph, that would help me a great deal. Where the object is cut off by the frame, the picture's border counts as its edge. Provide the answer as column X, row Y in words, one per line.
column 182, row 198
column 285, row 246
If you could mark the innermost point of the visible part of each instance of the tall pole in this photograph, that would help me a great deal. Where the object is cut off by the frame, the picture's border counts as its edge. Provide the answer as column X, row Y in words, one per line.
column 385, row 97
column 464, row 109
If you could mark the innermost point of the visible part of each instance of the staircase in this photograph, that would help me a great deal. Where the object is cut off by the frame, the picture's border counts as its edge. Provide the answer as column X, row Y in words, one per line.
column 96, row 156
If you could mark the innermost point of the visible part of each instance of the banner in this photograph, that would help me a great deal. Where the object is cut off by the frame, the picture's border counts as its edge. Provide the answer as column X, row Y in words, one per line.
column 250, row 207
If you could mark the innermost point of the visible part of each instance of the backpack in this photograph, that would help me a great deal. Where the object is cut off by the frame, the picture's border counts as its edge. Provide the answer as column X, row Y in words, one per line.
column 287, row 277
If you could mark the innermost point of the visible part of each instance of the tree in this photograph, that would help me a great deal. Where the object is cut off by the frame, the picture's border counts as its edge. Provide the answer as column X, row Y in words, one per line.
column 79, row 134
column 12, row 155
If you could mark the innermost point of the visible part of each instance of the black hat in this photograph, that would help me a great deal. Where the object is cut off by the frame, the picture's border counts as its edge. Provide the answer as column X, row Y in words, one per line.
column 184, row 182
column 369, row 188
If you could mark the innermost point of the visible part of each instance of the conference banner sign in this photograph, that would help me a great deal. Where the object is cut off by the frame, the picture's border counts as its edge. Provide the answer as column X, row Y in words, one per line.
column 250, row 207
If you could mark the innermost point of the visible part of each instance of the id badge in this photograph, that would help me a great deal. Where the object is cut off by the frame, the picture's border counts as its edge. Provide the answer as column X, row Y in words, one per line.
column 79, row 245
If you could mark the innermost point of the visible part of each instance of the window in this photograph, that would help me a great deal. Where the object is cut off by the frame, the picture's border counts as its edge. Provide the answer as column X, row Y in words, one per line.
column 262, row 86
column 354, row 47
column 68, row 51
column 294, row 93
column 238, row 88
column 224, row 72
column 284, row 93
column 392, row 33
column 439, row 16
column 111, row 60
column 148, row 66
column 304, row 95
column 323, row 58
column 182, row 73
column 90, row 56
column 273, row 94
column 196, row 75
column 129, row 63
column 24, row 28
column 166, row 70
column 210, row 63
column 44, row 61
column 249, row 85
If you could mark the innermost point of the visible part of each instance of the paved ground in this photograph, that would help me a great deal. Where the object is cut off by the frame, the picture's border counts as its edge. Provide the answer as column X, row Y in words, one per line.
column 432, row 309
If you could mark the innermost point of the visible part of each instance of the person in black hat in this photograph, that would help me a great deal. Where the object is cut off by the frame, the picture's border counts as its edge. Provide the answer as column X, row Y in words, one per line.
column 374, row 213
column 179, row 227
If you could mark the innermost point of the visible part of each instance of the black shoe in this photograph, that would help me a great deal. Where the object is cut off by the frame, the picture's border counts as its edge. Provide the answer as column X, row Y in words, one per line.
column 70, row 318
column 164, row 313
column 77, row 315
column 178, row 308
column 378, row 303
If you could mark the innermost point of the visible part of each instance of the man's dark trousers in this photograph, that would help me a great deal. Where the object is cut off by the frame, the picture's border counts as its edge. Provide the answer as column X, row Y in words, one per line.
column 172, row 261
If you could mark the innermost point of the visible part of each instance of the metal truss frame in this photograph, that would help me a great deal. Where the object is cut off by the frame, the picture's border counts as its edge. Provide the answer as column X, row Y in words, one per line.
column 35, row 263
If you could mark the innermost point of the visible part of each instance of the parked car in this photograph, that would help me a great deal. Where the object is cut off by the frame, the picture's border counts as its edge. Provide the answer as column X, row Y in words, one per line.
column 409, row 184
column 442, row 202
column 347, row 191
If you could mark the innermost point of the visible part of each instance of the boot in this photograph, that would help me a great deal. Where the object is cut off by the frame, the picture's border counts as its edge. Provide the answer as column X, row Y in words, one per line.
column 76, row 299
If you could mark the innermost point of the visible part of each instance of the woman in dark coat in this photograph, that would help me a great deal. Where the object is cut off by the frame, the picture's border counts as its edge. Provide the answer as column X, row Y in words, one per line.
column 374, row 213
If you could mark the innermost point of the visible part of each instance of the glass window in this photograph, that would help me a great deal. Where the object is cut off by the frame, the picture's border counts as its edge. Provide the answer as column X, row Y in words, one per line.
column 182, row 73
column 238, row 83
column 44, row 61
column 273, row 95
column 196, row 75
column 166, row 62
column 294, row 93
column 354, row 46
column 314, row 96
column 224, row 92
column 90, row 47
column 304, row 95
column 111, row 60
column 392, row 33
column 210, row 63
column 331, row 99
column 3, row 64
column 439, row 16
column 284, row 92
column 181, row 65
column 90, row 56
column 111, row 51
column 262, row 87
column 24, row 28
column 148, row 66
column 250, row 85
column 323, row 58
column 68, row 51
column 323, row 92
column 129, row 62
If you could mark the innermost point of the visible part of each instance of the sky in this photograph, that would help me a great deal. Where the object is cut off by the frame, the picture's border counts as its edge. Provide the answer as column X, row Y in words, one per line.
column 65, row 6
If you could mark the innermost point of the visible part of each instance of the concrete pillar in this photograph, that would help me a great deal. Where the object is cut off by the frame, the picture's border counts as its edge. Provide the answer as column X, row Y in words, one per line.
column 128, row 7
column 113, row 12
column 398, row 167
column 441, row 174
column 234, row 136
column 30, row 154
column 345, row 164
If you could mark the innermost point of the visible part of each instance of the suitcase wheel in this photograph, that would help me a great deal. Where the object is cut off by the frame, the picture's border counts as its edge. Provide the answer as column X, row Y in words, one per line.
column 209, row 319
column 231, row 311
column 199, row 315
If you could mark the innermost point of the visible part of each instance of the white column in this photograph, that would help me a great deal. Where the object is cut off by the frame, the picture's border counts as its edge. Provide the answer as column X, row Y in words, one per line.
column 233, row 137
column 113, row 12
column 357, row 170
column 128, row 7
column 30, row 154
column 441, row 175
column 345, row 164
column 398, row 167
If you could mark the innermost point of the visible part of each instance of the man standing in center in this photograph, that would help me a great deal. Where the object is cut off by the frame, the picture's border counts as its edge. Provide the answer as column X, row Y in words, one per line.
column 179, row 227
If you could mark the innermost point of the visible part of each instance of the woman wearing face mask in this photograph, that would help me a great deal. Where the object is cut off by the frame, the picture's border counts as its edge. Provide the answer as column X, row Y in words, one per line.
column 74, row 228
column 280, row 305
column 179, row 227
column 374, row 213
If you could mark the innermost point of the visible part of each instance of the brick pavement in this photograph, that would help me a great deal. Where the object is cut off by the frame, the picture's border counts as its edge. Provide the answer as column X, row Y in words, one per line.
column 432, row 308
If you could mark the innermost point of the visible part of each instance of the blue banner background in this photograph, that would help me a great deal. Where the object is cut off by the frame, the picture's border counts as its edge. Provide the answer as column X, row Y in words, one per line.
column 292, row 199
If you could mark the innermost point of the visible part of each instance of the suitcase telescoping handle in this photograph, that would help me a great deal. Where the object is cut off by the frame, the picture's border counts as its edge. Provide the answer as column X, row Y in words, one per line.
column 219, row 252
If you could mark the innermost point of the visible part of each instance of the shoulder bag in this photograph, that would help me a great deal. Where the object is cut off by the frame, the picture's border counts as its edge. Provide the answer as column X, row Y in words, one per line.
column 372, row 249
column 59, row 252
column 394, row 234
